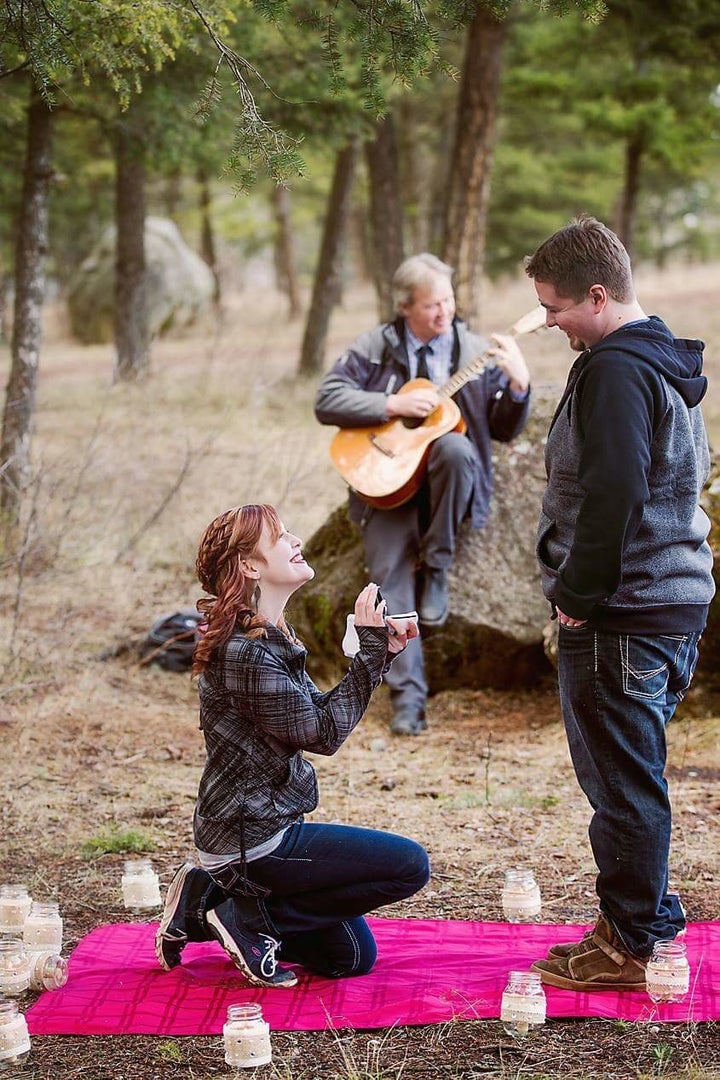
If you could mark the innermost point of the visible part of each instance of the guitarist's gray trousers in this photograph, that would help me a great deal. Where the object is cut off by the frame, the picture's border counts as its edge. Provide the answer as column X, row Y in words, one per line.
column 420, row 533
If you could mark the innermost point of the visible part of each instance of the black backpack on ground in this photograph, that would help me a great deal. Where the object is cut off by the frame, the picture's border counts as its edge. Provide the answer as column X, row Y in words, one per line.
column 172, row 640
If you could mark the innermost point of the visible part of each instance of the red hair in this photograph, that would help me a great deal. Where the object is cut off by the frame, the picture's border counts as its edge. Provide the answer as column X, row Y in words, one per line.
column 229, row 540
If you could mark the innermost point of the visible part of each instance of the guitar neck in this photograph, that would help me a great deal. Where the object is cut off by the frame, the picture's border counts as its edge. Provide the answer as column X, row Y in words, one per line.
column 464, row 375
column 528, row 324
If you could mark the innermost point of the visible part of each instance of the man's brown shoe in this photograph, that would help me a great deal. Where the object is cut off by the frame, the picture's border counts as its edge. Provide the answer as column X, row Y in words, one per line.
column 598, row 962
column 569, row 948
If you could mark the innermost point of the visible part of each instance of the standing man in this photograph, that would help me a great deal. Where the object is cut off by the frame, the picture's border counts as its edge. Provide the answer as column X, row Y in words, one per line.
column 410, row 548
column 622, row 546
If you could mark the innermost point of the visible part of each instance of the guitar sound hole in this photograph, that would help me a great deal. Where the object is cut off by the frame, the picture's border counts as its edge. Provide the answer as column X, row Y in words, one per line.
column 413, row 421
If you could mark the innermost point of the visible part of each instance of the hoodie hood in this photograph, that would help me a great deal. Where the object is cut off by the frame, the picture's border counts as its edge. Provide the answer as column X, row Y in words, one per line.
column 679, row 360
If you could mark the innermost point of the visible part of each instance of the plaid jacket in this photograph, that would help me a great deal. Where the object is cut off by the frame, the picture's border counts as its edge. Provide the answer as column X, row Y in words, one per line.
column 259, row 709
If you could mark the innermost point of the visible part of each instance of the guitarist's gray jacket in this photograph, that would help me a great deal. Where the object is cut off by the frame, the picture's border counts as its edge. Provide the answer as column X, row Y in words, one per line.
column 354, row 394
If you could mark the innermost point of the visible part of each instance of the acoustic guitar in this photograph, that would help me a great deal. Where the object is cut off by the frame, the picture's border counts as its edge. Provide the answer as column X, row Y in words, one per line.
column 385, row 464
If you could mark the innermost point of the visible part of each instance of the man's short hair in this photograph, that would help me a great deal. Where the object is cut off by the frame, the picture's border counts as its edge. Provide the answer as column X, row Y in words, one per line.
column 417, row 270
column 582, row 254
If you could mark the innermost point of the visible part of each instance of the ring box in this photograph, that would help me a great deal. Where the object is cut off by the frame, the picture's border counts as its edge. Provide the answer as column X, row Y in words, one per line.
column 351, row 641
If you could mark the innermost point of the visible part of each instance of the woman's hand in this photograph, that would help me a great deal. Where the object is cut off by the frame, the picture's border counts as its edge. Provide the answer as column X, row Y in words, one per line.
column 368, row 612
column 400, row 631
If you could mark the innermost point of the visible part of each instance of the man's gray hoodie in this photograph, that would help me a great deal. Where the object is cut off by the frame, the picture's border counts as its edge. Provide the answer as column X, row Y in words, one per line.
column 622, row 540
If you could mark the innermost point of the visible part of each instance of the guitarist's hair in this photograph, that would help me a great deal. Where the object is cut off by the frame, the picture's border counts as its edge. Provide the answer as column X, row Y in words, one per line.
column 230, row 539
column 417, row 270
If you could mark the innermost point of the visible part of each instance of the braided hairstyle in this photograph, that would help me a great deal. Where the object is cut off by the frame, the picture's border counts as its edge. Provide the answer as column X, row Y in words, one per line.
column 229, row 540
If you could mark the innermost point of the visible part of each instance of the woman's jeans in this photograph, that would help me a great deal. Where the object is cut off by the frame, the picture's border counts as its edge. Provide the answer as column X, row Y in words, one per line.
column 314, row 888
column 618, row 692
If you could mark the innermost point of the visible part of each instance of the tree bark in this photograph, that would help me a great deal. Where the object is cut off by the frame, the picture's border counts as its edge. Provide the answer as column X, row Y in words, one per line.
column 627, row 211
column 132, row 331
column 386, row 213
column 327, row 284
column 415, row 171
column 285, row 256
column 359, row 244
column 173, row 193
column 472, row 158
column 4, row 294
column 30, row 252
column 207, row 234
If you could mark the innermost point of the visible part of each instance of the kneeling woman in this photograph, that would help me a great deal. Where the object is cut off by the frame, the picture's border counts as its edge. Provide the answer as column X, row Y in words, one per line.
column 267, row 876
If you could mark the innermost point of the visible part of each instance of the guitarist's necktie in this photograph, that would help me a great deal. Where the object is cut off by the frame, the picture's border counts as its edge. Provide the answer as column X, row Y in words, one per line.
column 422, row 368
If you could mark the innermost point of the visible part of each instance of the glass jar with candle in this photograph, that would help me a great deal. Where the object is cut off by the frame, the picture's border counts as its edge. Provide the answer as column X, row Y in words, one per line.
column 43, row 928
column 520, row 896
column 14, row 1035
column 246, row 1037
column 523, row 1005
column 48, row 971
column 15, row 904
column 140, row 885
column 667, row 976
column 15, row 967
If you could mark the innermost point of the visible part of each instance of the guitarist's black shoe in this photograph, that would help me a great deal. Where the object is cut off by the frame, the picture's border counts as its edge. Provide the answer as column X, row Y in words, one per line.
column 433, row 606
column 408, row 721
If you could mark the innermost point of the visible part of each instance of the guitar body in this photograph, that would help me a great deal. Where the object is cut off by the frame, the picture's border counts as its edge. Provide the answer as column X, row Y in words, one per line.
column 385, row 464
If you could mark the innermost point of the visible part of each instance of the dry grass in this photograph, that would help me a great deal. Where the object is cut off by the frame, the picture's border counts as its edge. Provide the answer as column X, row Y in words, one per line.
column 127, row 477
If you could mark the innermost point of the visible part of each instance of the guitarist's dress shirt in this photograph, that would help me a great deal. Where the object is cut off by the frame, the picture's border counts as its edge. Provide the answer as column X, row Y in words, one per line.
column 438, row 357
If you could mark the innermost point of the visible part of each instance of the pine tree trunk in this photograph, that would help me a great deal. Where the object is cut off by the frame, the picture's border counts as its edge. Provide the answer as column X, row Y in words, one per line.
column 415, row 170
column 207, row 234
column 30, row 252
column 172, row 194
column 327, row 284
column 627, row 213
column 359, row 245
column 285, row 258
column 132, row 332
column 386, row 212
column 472, row 158
column 5, row 284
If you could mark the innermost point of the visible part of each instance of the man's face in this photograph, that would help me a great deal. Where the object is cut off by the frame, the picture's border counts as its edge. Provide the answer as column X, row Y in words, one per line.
column 432, row 308
column 577, row 319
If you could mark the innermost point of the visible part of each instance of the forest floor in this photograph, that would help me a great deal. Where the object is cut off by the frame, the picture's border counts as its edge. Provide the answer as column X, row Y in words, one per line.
column 95, row 745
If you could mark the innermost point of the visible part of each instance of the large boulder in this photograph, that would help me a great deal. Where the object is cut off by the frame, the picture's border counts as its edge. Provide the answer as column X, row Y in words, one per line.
column 498, row 633
column 494, row 634
column 180, row 285
column 709, row 667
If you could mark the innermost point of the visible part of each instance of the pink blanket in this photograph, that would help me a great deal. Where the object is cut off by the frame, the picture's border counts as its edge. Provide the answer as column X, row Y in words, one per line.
column 428, row 971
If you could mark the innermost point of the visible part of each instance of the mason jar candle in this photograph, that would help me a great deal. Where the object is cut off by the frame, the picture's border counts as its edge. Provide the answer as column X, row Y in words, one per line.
column 520, row 896
column 48, row 971
column 14, row 967
column 523, row 1006
column 43, row 927
column 667, row 976
column 246, row 1037
column 14, row 1035
column 15, row 904
column 140, row 885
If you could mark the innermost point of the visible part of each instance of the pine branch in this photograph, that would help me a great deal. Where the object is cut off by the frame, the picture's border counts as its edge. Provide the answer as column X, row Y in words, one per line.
column 255, row 138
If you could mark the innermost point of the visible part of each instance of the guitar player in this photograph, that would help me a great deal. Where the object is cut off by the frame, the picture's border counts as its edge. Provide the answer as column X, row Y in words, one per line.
column 410, row 548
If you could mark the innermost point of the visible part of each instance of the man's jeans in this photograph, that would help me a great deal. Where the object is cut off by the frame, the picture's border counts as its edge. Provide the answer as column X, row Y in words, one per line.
column 320, row 882
column 617, row 693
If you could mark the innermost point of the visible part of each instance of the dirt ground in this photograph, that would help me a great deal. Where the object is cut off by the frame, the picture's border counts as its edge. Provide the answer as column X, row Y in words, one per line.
column 94, row 744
